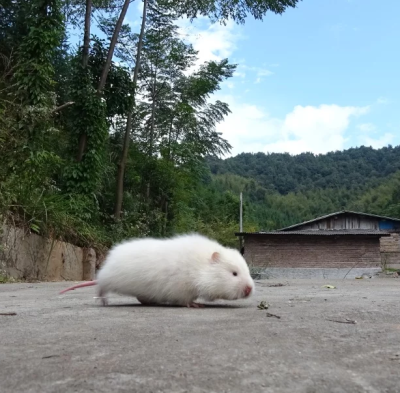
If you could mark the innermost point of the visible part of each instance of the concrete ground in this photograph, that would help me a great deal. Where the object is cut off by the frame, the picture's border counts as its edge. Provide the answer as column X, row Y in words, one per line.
column 69, row 343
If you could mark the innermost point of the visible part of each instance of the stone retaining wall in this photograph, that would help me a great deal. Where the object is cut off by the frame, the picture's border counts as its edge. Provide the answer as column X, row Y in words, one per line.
column 29, row 256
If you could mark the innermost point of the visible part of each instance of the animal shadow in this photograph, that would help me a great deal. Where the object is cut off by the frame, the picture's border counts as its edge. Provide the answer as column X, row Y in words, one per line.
column 206, row 306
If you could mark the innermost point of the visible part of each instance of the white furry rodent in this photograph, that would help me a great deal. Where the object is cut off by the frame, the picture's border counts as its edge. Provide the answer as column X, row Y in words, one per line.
column 174, row 271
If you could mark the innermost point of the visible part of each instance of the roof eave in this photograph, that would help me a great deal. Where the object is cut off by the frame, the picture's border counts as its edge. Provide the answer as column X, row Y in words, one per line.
column 335, row 214
column 297, row 233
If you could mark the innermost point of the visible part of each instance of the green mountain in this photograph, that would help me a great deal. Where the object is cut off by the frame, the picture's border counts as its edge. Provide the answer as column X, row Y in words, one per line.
column 280, row 189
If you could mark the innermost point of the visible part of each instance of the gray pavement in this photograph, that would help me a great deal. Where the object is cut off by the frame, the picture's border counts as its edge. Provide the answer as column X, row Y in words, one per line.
column 69, row 343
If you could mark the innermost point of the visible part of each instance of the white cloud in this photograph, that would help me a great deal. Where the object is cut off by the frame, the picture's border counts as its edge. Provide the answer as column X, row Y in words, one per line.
column 317, row 129
column 260, row 72
column 306, row 128
column 382, row 101
column 366, row 127
column 247, row 125
column 239, row 74
column 377, row 143
column 263, row 71
column 216, row 42
column 213, row 41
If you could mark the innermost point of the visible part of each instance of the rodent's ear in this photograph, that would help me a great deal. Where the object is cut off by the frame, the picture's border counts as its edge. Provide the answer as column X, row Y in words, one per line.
column 215, row 257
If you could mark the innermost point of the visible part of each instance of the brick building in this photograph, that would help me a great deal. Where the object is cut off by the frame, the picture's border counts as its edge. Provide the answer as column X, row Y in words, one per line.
column 341, row 244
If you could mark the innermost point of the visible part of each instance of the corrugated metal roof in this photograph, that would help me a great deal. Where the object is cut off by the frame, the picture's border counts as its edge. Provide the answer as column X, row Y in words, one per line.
column 322, row 232
column 338, row 213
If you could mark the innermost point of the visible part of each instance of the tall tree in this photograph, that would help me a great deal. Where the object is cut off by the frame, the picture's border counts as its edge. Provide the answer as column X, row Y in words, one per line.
column 128, row 129
column 237, row 10
column 173, row 113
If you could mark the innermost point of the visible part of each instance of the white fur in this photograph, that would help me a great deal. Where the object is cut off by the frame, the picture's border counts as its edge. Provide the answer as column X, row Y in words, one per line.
column 177, row 271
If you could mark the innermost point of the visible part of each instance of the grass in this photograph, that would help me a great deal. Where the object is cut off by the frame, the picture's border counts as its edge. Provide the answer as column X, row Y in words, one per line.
column 4, row 279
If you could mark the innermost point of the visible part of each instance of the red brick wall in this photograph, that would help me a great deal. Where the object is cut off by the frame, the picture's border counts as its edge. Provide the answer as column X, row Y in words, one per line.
column 312, row 251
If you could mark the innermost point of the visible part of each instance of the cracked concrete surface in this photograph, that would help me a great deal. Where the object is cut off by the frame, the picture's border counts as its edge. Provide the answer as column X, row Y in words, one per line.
column 69, row 343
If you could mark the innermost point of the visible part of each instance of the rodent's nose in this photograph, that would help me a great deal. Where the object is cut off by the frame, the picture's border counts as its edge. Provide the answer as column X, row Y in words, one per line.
column 247, row 290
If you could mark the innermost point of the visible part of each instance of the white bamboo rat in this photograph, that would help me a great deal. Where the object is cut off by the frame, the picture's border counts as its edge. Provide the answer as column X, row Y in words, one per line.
column 174, row 271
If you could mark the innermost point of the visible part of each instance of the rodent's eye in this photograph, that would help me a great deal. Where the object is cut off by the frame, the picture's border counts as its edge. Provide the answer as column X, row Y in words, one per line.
column 234, row 273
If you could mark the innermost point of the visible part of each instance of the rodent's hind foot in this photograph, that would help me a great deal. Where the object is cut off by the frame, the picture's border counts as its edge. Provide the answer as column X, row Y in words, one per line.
column 103, row 300
column 145, row 302
column 195, row 305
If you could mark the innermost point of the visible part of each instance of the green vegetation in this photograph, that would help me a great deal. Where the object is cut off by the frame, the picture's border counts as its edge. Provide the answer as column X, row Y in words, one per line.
column 391, row 270
column 281, row 190
column 96, row 148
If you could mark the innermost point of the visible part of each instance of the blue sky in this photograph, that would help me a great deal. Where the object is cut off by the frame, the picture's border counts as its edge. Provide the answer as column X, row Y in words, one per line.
column 321, row 77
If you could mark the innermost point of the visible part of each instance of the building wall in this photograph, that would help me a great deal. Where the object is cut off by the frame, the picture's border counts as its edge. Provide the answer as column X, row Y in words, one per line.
column 300, row 251
column 390, row 244
column 390, row 250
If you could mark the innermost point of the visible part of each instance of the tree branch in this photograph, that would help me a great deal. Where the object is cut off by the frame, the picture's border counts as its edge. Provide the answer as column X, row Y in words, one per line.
column 125, row 147
column 110, row 54
column 59, row 108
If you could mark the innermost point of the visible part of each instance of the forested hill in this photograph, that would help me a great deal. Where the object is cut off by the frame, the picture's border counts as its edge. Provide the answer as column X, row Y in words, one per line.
column 354, row 168
column 280, row 189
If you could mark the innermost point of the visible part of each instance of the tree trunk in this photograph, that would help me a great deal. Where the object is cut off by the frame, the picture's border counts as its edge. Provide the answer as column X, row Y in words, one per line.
column 81, row 147
column 169, row 138
column 165, row 218
column 106, row 68
column 86, row 37
column 125, row 147
column 113, row 42
column 121, row 169
column 148, row 190
column 152, row 119
column 85, row 61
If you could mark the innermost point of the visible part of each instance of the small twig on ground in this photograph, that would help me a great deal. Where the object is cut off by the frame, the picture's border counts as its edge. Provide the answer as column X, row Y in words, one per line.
column 8, row 313
column 276, row 285
column 273, row 315
column 349, row 321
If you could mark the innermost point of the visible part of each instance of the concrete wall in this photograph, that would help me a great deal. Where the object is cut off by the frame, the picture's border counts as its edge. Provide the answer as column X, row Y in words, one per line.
column 390, row 251
column 29, row 256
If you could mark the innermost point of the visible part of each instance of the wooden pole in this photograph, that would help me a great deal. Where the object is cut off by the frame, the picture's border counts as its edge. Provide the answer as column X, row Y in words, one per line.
column 241, row 223
column 241, row 213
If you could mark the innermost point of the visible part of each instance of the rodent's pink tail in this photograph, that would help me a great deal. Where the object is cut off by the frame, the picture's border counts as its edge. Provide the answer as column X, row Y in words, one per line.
column 84, row 284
